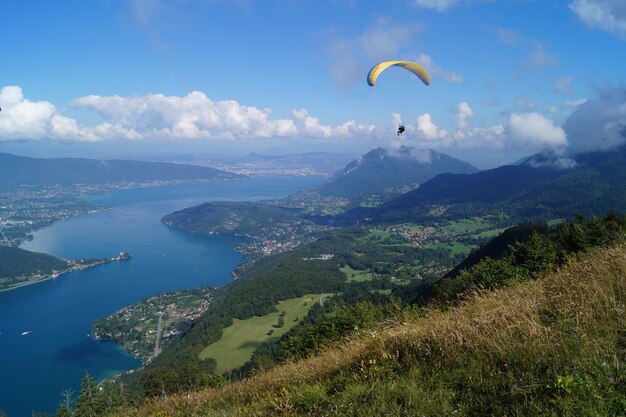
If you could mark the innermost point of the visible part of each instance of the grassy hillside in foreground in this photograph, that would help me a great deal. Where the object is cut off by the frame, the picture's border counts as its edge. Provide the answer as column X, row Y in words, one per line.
column 553, row 346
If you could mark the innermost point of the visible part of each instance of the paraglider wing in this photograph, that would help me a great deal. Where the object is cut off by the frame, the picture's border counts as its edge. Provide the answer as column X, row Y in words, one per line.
column 414, row 67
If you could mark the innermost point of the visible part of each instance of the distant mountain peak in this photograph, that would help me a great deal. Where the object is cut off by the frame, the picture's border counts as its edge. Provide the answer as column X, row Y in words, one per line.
column 549, row 159
column 388, row 171
column 545, row 185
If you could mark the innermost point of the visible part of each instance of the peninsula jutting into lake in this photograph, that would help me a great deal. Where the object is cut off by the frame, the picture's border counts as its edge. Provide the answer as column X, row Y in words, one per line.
column 60, row 312
column 49, row 267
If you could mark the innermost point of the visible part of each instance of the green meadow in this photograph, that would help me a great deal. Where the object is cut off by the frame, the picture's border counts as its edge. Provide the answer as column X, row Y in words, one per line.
column 354, row 275
column 240, row 340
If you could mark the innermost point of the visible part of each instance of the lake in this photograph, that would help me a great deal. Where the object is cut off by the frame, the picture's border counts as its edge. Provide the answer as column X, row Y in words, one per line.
column 45, row 329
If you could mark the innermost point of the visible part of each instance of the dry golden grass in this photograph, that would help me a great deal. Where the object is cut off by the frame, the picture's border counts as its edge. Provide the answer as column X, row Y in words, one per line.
column 536, row 324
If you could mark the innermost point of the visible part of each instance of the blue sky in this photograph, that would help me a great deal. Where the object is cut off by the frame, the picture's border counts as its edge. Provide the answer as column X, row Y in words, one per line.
column 283, row 75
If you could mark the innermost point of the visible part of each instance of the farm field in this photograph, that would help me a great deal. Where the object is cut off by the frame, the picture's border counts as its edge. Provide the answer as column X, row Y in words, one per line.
column 475, row 224
column 354, row 275
column 240, row 340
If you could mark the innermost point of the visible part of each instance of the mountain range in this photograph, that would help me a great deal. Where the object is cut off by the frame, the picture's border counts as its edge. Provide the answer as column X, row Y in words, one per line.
column 20, row 170
column 542, row 186
column 389, row 172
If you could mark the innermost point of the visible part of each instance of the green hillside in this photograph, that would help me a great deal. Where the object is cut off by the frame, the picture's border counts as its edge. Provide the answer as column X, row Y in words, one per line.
column 552, row 346
column 364, row 311
column 243, row 337
column 235, row 218
column 17, row 264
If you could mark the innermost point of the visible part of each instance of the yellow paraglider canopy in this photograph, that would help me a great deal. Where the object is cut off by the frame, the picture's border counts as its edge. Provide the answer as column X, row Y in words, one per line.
column 414, row 67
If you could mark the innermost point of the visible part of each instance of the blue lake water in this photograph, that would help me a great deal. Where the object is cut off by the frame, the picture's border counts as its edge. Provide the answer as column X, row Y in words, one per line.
column 45, row 329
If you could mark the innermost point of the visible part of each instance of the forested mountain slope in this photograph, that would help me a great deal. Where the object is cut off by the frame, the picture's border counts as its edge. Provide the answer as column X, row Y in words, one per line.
column 589, row 184
column 19, row 262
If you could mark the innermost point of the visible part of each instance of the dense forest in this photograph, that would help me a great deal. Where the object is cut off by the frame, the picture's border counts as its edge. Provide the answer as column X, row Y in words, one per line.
column 241, row 218
column 16, row 262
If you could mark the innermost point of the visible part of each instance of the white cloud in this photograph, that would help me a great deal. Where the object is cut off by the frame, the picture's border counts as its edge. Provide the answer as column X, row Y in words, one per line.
column 398, row 149
column 596, row 124
column 428, row 130
column 66, row 128
column 534, row 129
column 161, row 117
column 600, row 123
column 572, row 104
column 312, row 124
column 607, row 15
column 396, row 119
column 193, row 116
column 437, row 70
column 491, row 136
column 464, row 112
column 551, row 158
column 21, row 118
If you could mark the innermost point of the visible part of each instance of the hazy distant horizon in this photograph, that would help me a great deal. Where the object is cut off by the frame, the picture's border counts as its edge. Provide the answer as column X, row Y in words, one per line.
column 143, row 151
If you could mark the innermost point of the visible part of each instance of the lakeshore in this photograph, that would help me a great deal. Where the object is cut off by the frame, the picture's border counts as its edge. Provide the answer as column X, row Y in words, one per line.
column 59, row 313
column 74, row 265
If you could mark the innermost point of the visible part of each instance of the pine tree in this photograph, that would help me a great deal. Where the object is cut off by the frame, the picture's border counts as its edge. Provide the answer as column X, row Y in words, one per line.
column 65, row 408
column 63, row 411
column 112, row 396
column 88, row 403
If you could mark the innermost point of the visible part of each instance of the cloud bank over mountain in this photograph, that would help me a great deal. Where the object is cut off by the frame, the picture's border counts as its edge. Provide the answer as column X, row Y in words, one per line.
column 595, row 124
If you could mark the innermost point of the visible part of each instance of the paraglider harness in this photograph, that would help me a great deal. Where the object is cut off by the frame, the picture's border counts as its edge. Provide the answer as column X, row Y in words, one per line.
column 400, row 130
